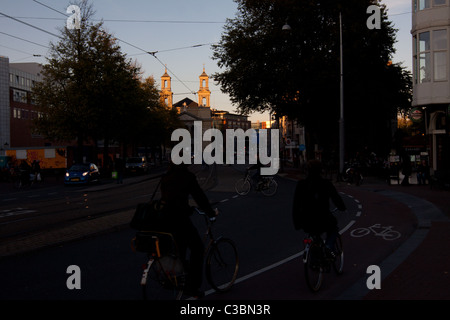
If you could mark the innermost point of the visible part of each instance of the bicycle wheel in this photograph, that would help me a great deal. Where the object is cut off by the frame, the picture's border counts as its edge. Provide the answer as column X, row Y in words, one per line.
column 222, row 265
column 156, row 285
column 391, row 235
column 270, row 189
column 242, row 186
column 338, row 264
column 313, row 267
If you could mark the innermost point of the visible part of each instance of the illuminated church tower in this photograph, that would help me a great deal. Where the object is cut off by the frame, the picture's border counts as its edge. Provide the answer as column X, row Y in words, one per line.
column 166, row 91
column 204, row 93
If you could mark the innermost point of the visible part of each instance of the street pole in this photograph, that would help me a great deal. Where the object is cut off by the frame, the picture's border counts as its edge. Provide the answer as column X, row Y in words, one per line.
column 341, row 120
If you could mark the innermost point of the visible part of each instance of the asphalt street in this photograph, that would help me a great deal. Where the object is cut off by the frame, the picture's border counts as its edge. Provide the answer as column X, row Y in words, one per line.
column 414, row 265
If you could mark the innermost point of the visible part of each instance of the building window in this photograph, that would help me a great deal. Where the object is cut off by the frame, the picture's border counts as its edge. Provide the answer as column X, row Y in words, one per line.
column 438, row 2
column 424, row 57
column 424, row 4
column 440, row 54
column 415, row 58
column 19, row 96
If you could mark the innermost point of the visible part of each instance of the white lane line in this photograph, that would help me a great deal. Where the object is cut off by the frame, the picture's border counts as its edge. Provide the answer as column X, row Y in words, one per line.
column 347, row 227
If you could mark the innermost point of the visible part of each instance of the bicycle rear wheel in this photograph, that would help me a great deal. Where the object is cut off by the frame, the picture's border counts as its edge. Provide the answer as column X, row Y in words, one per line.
column 222, row 265
column 157, row 286
column 338, row 264
column 242, row 186
column 270, row 189
column 313, row 267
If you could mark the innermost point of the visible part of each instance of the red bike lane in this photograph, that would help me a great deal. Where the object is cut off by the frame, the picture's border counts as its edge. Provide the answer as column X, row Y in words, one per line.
column 287, row 282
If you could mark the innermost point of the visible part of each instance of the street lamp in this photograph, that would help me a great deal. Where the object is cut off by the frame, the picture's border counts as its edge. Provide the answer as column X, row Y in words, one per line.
column 287, row 27
column 341, row 119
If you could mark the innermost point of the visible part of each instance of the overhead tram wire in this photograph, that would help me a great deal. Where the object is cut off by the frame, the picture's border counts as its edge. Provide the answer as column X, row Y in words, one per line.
column 53, row 9
column 38, row 44
column 181, row 48
column 30, row 54
column 145, row 51
column 30, row 25
column 130, row 20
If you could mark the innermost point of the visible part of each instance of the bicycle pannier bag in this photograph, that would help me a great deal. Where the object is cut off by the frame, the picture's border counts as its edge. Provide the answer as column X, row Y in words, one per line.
column 148, row 216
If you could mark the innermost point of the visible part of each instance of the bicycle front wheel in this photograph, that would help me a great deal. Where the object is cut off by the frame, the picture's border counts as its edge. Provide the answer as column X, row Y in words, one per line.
column 242, row 186
column 270, row 189
column 222, row 265
column 313, row 268
column 158, row 286
column 338, row 264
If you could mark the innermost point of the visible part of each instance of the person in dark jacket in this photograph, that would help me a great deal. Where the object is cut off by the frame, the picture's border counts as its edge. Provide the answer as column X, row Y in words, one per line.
column 177, row 185
column 311, row 203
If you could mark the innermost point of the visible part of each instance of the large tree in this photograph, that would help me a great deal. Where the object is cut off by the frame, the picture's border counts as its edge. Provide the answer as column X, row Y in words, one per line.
column 296, row 72
column 91, row 91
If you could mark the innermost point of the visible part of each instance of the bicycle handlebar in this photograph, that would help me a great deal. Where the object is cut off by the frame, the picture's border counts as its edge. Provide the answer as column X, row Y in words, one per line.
column 202, row 213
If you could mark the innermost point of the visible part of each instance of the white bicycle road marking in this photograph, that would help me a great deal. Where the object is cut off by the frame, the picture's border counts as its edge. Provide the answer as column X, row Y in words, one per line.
column 385, row 232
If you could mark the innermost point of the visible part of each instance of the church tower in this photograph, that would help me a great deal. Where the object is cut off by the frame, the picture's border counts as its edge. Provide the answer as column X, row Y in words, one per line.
column 204, row 93
column 166, row 91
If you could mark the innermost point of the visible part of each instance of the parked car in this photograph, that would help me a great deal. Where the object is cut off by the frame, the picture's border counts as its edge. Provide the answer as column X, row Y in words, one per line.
column 82, row 173
column 136, row 165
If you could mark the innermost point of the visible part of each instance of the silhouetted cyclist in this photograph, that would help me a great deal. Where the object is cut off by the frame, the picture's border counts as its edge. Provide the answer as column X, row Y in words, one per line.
column 311, row 206
column 176, row 187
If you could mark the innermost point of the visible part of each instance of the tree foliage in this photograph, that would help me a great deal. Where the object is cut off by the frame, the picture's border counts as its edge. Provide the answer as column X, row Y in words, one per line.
column 91, row 91
column 296, row 72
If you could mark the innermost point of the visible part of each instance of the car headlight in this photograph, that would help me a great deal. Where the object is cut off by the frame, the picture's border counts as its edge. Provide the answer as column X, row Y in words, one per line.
column 67, row 174
column 85, row 174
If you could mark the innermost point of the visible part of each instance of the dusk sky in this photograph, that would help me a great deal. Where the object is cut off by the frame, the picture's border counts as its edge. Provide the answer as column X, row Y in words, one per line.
column 182, row 32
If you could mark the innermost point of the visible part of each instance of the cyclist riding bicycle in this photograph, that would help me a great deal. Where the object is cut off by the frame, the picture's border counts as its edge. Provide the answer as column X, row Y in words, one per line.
column 176, row 187
column 311, row 210
column 257, row 174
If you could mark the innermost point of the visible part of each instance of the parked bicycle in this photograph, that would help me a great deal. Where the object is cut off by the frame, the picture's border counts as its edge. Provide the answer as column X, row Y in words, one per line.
column 352, row 174
column 266, row 185
column 164, row 274
column 317, row 260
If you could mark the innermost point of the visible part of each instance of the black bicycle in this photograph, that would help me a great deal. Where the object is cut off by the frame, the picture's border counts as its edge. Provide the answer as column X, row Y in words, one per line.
column 164, row 274
column 317, row 259
column 266, row 185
